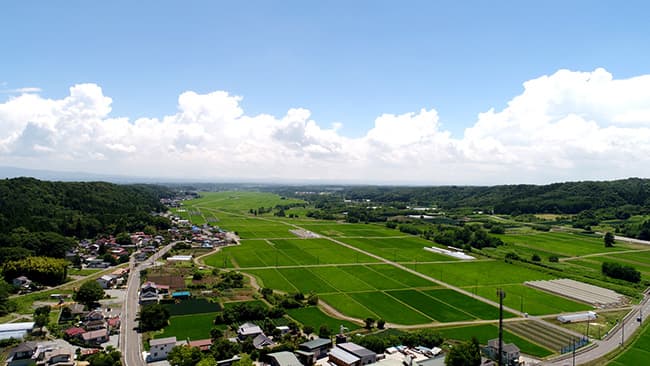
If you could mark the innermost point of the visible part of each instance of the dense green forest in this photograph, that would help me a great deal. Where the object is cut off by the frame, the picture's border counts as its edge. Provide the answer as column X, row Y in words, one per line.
column 40, row 217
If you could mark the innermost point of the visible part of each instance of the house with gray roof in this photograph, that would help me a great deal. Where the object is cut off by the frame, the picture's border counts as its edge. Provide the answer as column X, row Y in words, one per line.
column 283, row 359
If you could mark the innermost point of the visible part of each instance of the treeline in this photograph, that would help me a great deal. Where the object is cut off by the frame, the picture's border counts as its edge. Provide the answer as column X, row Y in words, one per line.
column 620, row 271
column 560, row 198
column 466, row 236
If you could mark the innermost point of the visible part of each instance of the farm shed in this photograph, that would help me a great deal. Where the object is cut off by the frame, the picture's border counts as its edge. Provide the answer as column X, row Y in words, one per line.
column 283, row 359
column 318, row 347
column 15, row 330
column 339, row 357
column 576, row 318
column 180, row 258
column 365, row 355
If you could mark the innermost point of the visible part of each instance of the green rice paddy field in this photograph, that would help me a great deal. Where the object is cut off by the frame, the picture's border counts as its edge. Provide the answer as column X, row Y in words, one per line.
column 362, row 286
column 638, row 353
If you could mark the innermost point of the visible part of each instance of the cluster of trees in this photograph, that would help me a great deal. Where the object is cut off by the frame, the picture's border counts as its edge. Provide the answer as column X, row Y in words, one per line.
column 378, row 343
column 247, row 311
column 463, row 237
column 6, row 306
column 464, row 354
column 44, row 270
column 89, row 293
column 108, row 357
column 153, row 317
column 639, row 231
column 289, row 301
column 621, row 271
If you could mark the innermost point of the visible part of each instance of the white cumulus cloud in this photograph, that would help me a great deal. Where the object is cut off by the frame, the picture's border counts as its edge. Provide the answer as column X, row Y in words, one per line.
column 565, row 126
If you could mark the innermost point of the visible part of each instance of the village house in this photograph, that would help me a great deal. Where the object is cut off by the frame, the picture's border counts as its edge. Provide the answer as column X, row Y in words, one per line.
column 159, row 348
column 95, row 337
column 283, row 359
column 316, row 349
column 248, row 330
column 509, row 352
column 202, row 344
column 106, row 281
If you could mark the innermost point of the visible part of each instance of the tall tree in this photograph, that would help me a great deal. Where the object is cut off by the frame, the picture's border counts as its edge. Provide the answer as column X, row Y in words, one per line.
column 464, row 354
column 89, row 293
column 608, row 239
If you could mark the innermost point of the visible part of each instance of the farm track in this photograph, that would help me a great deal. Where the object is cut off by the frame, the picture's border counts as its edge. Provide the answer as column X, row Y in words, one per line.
column 394, row 264
column 586, row 354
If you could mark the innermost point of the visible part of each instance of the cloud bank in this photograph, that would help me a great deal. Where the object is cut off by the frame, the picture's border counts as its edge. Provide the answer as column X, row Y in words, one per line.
column 565, row 126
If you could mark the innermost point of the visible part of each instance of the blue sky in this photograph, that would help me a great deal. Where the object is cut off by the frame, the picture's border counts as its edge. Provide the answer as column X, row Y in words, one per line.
column 344, row 61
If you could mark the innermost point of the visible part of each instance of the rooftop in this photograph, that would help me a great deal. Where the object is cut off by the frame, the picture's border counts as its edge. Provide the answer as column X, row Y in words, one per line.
column 343, row 356
column 161, row 341
column 316, row 343
column 285, row 358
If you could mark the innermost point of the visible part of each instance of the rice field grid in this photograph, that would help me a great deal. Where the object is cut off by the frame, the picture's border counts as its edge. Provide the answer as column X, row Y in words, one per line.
column 407, row 249
column 485, row 332
column 285, row 252
column 563, row 244
column 361, row 286
column 544, row 335
column 315, row 317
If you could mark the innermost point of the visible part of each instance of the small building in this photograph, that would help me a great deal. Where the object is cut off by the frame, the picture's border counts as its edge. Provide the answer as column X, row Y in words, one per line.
column 247, row 330
column 577, row 318
column 365, row 355
column 340, row 357
column 202, row 344
column 16, row 330
column 283, row 359
column 283, row 329
column 95, row 337
column 57, row 357
column 181, row 295
column 180, row 258
column 74, row 332
column 94, row 315
column 509, row 352
column 22, row 354
column 318, row 347
column 261, row 341
column 159, row 348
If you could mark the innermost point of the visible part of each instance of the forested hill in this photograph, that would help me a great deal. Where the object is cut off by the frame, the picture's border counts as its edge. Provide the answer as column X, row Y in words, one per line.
column 80, row 209
column 568, row 198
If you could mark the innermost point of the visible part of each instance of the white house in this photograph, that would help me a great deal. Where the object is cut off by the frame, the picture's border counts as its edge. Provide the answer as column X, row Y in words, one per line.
column 159, row 348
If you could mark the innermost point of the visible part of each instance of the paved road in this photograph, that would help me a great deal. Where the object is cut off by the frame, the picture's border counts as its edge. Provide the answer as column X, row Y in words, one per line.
column 611, row 342
column 130, row 342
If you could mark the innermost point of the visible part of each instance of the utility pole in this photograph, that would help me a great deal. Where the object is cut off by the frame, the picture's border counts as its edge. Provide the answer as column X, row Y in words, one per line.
column 573, row 340
column 502, row 295
column 622, row 331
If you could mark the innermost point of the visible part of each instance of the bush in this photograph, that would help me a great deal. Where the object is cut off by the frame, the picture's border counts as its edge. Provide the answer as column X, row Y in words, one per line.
column 553, row 259
column 535, row 258
column 620, row 271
